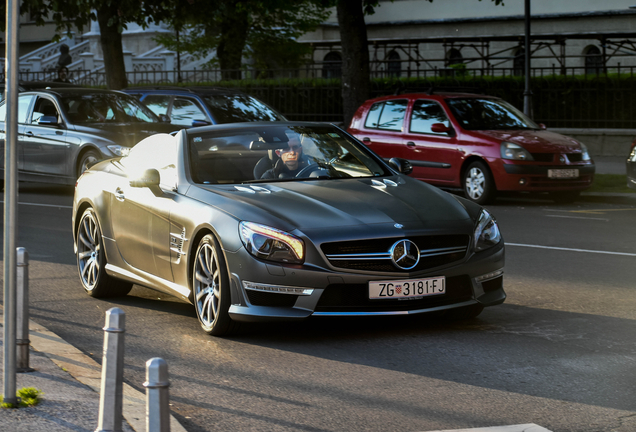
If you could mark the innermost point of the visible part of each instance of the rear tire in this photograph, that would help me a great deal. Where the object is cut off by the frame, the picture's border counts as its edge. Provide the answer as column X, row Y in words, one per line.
column 478, row 183
column 211, row 288
column 91, row 261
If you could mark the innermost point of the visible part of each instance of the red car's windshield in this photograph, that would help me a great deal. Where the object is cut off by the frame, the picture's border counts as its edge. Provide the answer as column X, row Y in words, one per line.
column 488, row 114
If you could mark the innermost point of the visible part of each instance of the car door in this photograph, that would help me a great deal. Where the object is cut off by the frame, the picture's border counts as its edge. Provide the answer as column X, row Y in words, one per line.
column 24, row 103
column 44, row 146
column 433, row 152
column 383, row 126
column 140, row 216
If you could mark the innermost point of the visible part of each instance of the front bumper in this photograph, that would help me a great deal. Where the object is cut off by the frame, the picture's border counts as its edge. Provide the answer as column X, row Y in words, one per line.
column 337, row 293
column 533, row 177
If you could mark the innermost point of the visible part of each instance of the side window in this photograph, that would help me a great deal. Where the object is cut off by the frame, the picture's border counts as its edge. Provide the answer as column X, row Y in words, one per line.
column 44, row 107
column 425, row 114
column 158, row 104
column 184, row 111
column 23, row 108
column 387, row 115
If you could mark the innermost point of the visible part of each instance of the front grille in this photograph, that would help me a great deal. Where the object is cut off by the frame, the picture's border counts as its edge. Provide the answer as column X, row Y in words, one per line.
column 543, row 157
column 559, row 183
column 355, row 298
column 373, row 255
column 259, row 298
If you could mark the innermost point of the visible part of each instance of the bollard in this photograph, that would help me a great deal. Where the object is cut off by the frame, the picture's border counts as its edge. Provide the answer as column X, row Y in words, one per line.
column 111, row 391
column 22, row 298
column 157, row 397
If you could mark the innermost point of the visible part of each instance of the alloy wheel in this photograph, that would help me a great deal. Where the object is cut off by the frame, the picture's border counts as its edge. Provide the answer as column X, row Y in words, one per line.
column 88, row 250
column 475, row 183
column 207, row 284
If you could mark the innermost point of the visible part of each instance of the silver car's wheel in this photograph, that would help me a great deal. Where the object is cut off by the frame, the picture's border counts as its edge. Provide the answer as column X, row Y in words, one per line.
column 91, row 260
column 87, row 160
column 210, row 288
column 478, row 183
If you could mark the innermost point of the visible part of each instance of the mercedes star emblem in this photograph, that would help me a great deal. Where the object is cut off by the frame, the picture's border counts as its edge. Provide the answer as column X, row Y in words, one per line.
column 405, row 254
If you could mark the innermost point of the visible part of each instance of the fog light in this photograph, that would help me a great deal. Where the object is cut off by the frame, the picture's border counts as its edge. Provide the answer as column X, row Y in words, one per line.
column 490, row 275
column 277, row 288
column 522, row 181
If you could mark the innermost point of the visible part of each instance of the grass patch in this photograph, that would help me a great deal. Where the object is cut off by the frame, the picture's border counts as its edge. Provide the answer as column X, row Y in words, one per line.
column 28, row 397
column 610, row 183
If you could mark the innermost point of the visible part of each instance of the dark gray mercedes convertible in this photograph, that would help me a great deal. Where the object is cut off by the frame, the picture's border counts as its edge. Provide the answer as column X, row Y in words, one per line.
column 270, row 221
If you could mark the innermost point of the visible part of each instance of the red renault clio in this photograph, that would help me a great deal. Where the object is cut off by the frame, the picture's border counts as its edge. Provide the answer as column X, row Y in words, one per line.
column 481, row 144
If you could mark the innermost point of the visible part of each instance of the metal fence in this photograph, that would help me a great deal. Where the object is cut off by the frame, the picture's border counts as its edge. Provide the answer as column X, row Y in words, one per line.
column 562, row 97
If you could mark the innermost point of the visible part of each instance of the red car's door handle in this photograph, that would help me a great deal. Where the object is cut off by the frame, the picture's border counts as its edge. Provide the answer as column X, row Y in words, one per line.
column 410, row 144
column 366, row 140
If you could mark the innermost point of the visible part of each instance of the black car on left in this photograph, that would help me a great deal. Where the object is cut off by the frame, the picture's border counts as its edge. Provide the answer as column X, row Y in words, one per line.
column 62, row 131
column 631, row 167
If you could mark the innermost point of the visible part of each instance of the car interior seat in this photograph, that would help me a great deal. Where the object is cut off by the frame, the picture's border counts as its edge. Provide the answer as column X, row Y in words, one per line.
column 265, row 163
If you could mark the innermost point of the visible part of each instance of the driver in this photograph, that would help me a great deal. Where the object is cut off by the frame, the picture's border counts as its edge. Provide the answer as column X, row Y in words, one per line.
column 291, row 161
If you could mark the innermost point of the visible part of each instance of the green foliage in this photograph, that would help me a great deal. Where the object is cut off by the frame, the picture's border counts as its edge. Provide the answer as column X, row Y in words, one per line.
column 27, row 396
column 610, row 183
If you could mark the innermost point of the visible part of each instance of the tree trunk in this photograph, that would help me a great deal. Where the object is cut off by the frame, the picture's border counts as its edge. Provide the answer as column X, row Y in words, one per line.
column 110, row 38
column 234, row 29
column 356, row 82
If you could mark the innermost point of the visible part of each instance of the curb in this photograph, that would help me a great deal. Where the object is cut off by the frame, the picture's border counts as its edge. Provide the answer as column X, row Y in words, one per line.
column 88, row 372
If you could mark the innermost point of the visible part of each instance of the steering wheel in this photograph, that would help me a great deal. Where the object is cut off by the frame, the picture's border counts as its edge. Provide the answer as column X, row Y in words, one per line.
column 308, row 170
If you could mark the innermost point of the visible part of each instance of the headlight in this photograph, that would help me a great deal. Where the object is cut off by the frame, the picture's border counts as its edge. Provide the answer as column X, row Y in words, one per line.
column 272, row 244
column 487, row 232
column 586, row 155
column 514, row 151
column 119, row 150
column 632, row 155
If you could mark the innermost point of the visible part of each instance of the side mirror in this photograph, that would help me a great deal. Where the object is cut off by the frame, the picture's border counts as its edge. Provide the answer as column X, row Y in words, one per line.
column 149, row 179
column 164, row 118
column 197, row 123
column 440, row 128
column 401, row 165
column 542, row 126
column 48, row 120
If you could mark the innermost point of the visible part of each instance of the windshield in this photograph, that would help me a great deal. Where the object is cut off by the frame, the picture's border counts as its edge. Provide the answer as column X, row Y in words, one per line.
column 106, row 107
column 237, row 108
column 278, row 153
column 488, row 114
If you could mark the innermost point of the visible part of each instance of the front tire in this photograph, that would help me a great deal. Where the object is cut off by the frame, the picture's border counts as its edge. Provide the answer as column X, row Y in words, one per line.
column 91, row 261
column 211, row 288
column 87, row 160
column 478, row 183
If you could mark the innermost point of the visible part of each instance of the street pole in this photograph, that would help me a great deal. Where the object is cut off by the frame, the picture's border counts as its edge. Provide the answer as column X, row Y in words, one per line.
column 527, row 93
column 10, row 200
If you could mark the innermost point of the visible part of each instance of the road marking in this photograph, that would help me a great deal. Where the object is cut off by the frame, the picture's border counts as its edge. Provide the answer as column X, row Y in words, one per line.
column 572, row 250
column 577, row 217
column 43, row 205
column 529, row 427
column 593, row 211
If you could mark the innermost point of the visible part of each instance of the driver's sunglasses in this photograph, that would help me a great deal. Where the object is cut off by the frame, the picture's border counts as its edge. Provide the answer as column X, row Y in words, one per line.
column 295, row 148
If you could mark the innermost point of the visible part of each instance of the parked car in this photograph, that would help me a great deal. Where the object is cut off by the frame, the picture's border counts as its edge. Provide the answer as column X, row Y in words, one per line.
column 63, row 130
column 348, row 235
column 631, row 167
column 479, row 143
column 201, row 106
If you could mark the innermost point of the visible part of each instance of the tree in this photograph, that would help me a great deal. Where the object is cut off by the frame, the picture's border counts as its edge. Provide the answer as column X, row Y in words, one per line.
column 356, row 80
column 112, row 16
column 264, row 30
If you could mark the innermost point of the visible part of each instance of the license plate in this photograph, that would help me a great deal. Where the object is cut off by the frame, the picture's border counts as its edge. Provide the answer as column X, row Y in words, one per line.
column 563, row 173
column 407, row 289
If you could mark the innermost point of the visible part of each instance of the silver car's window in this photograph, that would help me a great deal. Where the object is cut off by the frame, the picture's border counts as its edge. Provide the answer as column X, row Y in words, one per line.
column 44, row 107
column 23, row 108
column 228, row 108
column 106, row 107
column 255, row 154
column 184, row 111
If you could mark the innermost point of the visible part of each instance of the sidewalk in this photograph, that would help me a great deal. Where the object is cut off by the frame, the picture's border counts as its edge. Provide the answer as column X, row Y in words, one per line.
column 70, row 381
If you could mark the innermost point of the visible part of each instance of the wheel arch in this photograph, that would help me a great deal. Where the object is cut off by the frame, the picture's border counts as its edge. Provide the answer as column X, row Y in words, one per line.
column 468, row 161
column 83, row 150
column 194, row 244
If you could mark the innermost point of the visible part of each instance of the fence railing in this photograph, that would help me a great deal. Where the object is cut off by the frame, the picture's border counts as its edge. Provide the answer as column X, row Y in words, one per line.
column 562, row 97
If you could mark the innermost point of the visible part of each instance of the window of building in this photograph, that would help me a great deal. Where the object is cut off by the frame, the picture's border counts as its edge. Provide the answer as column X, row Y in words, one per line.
column 593, row 60
column 394, row 64
column 332, row 65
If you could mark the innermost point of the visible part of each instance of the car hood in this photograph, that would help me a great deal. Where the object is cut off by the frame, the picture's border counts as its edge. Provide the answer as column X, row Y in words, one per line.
column 126, row 134
column 536, row 141
column 315, row 205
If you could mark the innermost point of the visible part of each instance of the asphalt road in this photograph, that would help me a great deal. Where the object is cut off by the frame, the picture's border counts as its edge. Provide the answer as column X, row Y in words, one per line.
column 559, row 353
